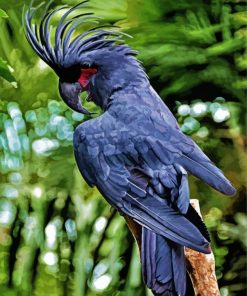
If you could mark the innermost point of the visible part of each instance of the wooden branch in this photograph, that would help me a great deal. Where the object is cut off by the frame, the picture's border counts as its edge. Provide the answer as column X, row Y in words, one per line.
column 135, row 229
column 201, row 267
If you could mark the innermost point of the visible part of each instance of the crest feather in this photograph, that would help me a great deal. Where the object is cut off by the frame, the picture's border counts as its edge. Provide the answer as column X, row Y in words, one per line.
column 65, row 47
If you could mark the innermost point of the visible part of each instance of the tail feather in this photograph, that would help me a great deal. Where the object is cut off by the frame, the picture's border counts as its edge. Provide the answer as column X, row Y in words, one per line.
column 163, row 265
column 148, row 256
column 178, row 268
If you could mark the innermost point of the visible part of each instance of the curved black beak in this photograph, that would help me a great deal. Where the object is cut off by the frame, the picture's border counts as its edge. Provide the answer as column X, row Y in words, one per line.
column 70, row 93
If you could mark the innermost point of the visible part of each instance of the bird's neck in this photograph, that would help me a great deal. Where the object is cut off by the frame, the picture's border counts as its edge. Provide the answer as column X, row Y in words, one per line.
column 125, row 79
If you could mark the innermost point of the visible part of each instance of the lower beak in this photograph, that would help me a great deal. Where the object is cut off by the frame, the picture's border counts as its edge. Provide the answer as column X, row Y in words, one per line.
column 70, row 93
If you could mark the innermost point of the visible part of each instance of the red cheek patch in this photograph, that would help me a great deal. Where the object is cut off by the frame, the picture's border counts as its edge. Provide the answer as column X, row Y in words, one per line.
column 85, row 76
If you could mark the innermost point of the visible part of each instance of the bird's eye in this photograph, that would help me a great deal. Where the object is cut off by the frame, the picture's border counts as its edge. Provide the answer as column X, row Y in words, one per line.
column 85, row 66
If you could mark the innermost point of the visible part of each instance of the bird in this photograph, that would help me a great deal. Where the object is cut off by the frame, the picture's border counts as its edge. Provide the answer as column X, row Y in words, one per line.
column 134, row 152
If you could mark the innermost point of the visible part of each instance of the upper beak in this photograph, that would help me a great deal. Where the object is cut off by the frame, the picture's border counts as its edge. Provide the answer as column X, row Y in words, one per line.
column 70, row 93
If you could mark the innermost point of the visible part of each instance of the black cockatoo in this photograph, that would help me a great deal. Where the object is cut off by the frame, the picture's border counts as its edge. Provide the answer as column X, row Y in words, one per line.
column 135, row 152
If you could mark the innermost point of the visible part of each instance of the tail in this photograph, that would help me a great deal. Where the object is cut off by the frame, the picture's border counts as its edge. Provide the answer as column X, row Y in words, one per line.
column 163, row 265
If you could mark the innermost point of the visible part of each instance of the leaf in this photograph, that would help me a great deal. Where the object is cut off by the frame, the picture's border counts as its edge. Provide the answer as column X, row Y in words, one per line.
column 5, row 71
column 3, row 13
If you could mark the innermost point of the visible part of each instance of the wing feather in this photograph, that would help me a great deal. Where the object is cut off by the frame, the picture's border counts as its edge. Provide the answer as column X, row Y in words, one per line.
column 144, row 175
column 208, row 172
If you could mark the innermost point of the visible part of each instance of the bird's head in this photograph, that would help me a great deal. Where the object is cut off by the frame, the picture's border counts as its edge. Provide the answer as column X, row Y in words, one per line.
column 94, row 61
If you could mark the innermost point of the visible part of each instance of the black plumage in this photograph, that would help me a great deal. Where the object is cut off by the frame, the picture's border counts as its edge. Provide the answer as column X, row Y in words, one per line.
column 134, row 153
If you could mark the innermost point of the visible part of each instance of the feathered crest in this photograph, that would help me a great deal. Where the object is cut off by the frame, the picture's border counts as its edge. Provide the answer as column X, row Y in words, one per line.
column 65, row 47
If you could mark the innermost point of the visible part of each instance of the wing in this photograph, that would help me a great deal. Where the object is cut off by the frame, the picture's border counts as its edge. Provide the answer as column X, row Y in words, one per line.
column 140, row 174
column 168, row 144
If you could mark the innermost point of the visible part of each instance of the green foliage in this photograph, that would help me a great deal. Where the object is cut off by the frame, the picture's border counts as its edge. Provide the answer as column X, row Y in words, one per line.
column 3, row 14
column 192, row 44
column 57, row 236
column 5, row 70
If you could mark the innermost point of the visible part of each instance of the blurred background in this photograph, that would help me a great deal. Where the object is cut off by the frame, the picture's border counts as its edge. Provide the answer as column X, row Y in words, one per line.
column 57, row 236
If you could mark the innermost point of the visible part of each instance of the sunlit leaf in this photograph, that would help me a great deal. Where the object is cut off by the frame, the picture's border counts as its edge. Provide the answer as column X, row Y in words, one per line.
column 5, row 71
column 3, row 14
